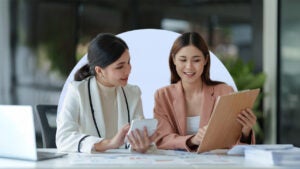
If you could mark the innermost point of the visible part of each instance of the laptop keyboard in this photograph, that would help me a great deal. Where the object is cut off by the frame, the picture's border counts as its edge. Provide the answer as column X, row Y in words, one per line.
column 46, row 155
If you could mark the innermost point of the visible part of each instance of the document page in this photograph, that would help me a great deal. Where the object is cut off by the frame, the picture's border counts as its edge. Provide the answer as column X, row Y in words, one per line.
column 160, row 157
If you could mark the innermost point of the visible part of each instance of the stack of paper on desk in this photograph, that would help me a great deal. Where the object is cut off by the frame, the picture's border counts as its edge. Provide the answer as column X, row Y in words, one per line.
column 283, row 157
column 240, row 149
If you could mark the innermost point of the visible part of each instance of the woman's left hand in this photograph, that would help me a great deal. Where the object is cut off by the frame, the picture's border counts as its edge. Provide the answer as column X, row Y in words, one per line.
column 247, row 119
column 140, row 141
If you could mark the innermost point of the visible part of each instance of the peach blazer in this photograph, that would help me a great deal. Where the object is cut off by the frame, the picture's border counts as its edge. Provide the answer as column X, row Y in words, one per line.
column 170, row 111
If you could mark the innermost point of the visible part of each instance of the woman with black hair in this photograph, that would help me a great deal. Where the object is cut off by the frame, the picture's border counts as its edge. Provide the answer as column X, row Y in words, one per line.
column 99, row 104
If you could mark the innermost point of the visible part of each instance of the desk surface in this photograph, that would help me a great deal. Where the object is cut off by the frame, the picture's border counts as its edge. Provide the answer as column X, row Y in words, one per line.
column 124, row 159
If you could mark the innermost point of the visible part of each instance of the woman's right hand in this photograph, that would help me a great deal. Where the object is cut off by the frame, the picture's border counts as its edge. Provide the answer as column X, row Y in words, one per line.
column 115, row 142
column 197, row 139
column 140, row 141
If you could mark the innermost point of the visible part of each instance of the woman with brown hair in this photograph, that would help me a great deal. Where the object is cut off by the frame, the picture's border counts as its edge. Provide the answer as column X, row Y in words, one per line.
column 183, row 108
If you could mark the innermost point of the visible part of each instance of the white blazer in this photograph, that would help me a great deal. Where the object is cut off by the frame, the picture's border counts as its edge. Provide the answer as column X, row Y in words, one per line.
column 76, row 130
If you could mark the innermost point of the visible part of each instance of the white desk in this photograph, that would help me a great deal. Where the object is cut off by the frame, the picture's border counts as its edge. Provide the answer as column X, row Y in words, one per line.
column 121, row 159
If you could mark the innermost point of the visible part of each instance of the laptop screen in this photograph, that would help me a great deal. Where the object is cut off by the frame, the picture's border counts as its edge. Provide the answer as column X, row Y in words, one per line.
column 17, row 132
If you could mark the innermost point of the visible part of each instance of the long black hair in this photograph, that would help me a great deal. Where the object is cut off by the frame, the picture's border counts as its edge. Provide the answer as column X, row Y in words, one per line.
column 103, row 50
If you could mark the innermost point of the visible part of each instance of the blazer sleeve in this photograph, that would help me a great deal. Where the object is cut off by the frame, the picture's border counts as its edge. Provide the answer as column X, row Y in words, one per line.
column 250, row 141
column 68, row 135
column 168, row 134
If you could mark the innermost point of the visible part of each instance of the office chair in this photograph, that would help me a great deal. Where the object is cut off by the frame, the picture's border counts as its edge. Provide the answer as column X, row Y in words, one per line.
column 46, row 115
column 149, row 51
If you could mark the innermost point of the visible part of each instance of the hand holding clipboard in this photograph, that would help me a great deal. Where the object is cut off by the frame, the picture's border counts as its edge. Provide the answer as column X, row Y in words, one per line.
column 223, row 129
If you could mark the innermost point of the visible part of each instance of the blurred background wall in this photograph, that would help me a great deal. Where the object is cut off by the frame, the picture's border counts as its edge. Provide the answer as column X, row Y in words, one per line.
column 5, row 73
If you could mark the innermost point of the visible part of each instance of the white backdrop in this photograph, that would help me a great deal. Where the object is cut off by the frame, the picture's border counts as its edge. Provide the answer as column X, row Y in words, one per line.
column 149, row 50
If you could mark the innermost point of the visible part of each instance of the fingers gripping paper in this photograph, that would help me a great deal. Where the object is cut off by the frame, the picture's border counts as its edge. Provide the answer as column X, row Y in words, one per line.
column 223, row 129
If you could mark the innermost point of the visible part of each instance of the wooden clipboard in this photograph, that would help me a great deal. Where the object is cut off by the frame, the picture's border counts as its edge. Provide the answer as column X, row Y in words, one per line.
column 223, row 130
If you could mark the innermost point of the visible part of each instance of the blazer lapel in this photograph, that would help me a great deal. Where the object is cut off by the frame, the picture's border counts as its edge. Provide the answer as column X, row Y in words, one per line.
column 179, row 108
column 97, row 105
column 122, row 109
column 208, row 104
column 179, row 105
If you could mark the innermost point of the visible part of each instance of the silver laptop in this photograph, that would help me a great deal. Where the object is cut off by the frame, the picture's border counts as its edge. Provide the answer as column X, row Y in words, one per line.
column 18, row 138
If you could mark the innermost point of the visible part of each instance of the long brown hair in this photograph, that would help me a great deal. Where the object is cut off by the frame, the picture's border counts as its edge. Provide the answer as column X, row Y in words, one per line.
column 186, row 39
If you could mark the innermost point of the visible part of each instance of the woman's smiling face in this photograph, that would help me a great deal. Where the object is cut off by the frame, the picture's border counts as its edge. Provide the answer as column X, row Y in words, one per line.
column 189, row 62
